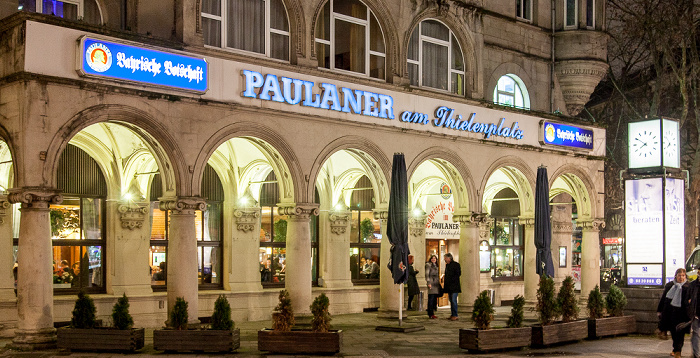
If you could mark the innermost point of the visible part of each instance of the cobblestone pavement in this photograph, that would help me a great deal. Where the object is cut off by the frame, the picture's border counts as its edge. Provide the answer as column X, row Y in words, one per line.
column 440, row 338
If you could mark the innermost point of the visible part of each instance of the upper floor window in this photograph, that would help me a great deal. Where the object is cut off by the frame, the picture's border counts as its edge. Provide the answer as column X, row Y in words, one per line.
column 349, row 38
column 523, row 9
column 86, row 10
column 435, row 58
column 571, row 13
column 510, row 91
column 259, row 26
column 590, row 13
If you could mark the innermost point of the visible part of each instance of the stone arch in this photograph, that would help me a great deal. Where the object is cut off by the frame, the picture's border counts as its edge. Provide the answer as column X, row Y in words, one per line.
column 466, row 42
column 297, row 22
column 280, row 155
column 575, row 182
column 521, row 179
column 455, row 170
column 7, row 153
column 375, row 164
column 386, row 23
column 104, row 158
column 505, row 69
column 154, row 135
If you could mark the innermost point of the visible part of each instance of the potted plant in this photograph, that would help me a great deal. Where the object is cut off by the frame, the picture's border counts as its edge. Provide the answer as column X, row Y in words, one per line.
column 85, row 334
column 482, row 338
column 283, row 339
column 616, row 323
column 178, row 337
column 570, row 328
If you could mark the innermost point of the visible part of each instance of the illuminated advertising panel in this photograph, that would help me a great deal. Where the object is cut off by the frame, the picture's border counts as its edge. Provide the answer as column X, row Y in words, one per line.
column 644, row 230
column 675, row 226
column 567, row 135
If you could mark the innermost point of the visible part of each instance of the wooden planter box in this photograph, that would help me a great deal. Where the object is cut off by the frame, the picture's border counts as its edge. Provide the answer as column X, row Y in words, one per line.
column 611, row 326
column 559, row 332
column 481, row 340
column 100, row 339
column 300, row 341
column 196, row 340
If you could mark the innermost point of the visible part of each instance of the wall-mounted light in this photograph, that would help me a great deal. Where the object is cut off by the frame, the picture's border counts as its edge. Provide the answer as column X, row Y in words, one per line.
column 247, row 199
column 418, row 211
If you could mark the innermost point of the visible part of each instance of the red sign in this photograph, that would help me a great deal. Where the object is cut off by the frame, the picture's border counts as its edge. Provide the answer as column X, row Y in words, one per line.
column 612, row 241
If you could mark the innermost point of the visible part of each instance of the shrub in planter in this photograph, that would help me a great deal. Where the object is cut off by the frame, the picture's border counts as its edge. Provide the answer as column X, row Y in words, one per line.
column 547, row 306
column 283, row 317
column 83, row 312
column 568, row 306
column 482, row 315
column 319, row 309
column 596, row 304
column 179, row 315
column 516, row 313
column 221, row 318
column 121, row 319
column 616, row 301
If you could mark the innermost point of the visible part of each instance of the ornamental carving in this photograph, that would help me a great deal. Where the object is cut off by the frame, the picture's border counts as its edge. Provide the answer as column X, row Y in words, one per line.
column 34, row 197
column 416, row 226
column 339, row 222
column 183, row 204
column 380, row 214
column 301, row 211
column 562, row 227
column 132, row 216
column 593, row 225
column 4, row 205
column 528, row 222
column 246, row 219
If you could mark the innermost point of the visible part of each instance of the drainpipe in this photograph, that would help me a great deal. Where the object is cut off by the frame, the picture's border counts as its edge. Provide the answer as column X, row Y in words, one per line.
column 551, row 70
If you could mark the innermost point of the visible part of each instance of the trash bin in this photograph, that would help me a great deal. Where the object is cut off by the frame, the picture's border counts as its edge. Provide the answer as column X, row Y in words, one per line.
column 420, row 306
column 492, row 296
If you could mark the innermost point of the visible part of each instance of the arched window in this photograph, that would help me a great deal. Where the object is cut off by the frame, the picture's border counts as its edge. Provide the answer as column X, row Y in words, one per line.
column 86, row 10
column 365, row 234
column 349, row 38
column 259, row 26
column 511, row 91
column 435, row 58
column 507, row 237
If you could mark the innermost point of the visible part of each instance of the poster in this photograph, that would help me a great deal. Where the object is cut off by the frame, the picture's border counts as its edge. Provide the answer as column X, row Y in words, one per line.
column 644, row 230
column 675, row 226
column 438, row 223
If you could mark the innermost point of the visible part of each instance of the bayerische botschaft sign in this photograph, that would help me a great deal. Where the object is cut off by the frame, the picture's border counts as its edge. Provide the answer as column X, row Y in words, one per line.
column 566, row 135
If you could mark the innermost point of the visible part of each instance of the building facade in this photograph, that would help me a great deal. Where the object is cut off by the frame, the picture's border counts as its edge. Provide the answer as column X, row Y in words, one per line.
column 203, row 148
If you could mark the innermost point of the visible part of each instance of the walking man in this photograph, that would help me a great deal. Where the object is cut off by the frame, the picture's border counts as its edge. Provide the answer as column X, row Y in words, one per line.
column 452, row 286
column 691, row 301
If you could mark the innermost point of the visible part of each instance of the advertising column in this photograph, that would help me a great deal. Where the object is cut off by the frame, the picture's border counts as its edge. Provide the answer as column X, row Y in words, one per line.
column 644, row 231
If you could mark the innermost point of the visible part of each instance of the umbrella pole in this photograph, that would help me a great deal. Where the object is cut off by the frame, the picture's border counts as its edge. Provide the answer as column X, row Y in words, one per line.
column 400, row 303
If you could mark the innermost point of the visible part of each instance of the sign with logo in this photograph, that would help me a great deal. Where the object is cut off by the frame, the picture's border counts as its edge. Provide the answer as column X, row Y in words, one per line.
column 100, row 58
column 567, row 135
column 439, row 224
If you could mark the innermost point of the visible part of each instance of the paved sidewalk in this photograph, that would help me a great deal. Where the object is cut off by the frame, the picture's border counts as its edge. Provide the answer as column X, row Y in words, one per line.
column 440, row 338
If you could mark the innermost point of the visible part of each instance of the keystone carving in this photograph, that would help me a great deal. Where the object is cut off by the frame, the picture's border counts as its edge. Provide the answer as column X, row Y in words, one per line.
column 132, row 216
column 301, row 211
column 339, row 222
column 183, row 204
column 246, row 219
column 34, row 197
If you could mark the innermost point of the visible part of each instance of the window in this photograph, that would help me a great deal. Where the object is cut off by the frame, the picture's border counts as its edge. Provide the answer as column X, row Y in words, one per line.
column 365, row 235
column 259, row 26
column 506, row 242
column 349, row 38
column 208, row 232
column 87, row 10
column 273, row 237
column 523, row 9
column 510, row 91
column 571, row 13
column 590, row 14
column 435, row 58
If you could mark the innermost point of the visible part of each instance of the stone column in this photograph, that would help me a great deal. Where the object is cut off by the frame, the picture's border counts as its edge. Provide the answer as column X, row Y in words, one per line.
column 561, row 236
column 388, row 291
column 590, row 255
column 7, row 279
column 335, row 250
column 473, row 227
column 126, row 248
column 244, row 268
column 182, row 252
column 416, row 245
column 298, row 263
column 532, row 280
column 35, row 271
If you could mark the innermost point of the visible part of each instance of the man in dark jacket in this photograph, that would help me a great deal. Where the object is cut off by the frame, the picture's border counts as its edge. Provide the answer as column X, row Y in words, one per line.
column 691, row 300
column 452, row 287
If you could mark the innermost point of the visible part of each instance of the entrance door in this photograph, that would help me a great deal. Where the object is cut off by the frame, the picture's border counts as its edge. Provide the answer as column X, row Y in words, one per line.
column 438, row 248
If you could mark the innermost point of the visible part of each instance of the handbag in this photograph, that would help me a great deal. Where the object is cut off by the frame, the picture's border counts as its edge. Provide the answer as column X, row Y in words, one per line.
column 441, row 290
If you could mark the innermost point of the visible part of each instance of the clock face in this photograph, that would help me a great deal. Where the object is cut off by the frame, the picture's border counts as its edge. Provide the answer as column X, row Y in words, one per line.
column 671, row 156
column 645, row 144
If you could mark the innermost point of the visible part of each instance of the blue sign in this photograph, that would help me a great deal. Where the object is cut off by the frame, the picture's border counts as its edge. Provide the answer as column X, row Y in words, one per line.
column 568, row 136
column 645, row 281
column 123, row 62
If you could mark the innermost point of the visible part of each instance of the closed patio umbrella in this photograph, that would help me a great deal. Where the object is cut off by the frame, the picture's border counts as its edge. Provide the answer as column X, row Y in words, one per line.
column 397, row 225
column 543, row 229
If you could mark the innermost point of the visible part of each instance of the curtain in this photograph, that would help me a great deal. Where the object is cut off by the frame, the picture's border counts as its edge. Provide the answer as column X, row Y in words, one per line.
column 246, row 25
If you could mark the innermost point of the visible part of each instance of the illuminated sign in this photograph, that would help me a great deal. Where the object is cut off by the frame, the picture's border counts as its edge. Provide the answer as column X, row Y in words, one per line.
column 444, row 117
column 612, row 241
column 567, row 136
column 438, row 223
column 111, row 60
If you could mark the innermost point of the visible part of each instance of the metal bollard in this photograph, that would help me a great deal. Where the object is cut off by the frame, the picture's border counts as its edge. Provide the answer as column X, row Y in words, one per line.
column 420, row 306
column 492, row 296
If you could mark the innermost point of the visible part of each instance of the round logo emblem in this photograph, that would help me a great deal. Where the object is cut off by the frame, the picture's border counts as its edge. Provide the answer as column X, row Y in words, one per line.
column 445, row 191
column 98, row 57
column 549, row 132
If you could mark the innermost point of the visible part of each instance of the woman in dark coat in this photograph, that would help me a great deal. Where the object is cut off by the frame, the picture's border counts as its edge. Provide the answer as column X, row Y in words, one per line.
column 412, row 282
column 671, row 312
column 432, row 279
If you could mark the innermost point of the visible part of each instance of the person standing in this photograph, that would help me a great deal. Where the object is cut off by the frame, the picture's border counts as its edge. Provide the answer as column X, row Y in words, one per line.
column 452, row 286
column 412, row 282
column 691, row 301
column 432, row 278
column 671, row 312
